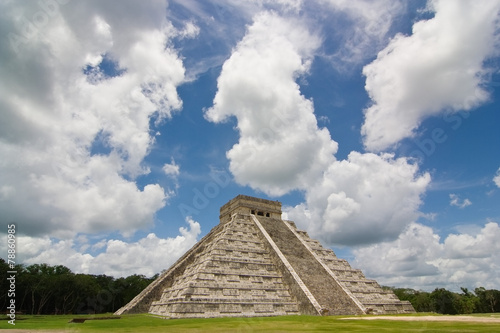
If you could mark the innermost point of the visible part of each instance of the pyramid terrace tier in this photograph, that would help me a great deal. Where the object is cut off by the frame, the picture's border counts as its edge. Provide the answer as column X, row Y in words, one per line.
column 222, row 308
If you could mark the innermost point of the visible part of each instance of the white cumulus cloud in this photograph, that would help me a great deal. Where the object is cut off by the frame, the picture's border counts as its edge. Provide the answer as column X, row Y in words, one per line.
column 147, row 256
column 365, row 199
column 455, row 201
column 171, row 169
column 364, row 27
column 420, row 260
column 281, row 147
column 496, row 179
column 58, row 105
column 438, row 67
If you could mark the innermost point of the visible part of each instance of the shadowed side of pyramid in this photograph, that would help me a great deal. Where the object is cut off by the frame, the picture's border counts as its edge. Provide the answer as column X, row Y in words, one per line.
column 256, row 264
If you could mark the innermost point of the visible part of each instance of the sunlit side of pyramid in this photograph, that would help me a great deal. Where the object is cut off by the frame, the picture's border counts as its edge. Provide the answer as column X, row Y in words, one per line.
column 256, row 264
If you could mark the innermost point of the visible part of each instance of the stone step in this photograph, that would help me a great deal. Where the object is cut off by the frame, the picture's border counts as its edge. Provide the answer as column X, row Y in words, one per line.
column 323, row 287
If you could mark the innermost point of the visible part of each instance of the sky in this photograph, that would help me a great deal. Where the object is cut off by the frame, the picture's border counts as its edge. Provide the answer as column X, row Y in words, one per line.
column 125, row 126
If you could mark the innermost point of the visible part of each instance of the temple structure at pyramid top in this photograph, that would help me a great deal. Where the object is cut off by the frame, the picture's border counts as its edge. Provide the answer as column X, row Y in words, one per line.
column 253, row 263
column 246, row 205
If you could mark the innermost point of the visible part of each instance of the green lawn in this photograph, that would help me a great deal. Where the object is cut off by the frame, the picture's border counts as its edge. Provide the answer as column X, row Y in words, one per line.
column 147, row 324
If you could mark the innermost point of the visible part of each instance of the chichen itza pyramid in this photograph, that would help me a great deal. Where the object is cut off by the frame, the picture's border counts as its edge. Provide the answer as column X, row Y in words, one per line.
column 253, row 263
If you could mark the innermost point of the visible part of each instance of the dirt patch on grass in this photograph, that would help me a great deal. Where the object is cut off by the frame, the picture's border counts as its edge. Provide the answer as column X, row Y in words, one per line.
column 38, row 331
column 431, row 318
column 82, row 320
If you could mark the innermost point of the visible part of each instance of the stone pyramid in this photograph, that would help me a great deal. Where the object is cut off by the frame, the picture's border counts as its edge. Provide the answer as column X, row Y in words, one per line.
column 253, row 263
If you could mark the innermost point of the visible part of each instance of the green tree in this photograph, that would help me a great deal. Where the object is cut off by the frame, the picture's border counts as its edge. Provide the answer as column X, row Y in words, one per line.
column 4, row 283
column 420, row 300
column 466, row 302
column 423, row 302
column 87, row 289
column 45, row 286
column 65, row 296
column 489, row 300
column 443, row 301
column 46, row 289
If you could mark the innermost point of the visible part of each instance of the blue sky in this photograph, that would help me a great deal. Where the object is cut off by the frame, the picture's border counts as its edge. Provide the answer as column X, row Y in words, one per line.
column 125, row 128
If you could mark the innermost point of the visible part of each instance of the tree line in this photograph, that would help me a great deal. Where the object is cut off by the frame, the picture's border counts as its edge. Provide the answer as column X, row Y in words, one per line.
column 44, row 289
column 443, row 301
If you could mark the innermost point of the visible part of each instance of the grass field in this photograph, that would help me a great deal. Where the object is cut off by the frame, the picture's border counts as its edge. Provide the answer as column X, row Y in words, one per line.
column 148, row 324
